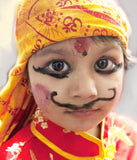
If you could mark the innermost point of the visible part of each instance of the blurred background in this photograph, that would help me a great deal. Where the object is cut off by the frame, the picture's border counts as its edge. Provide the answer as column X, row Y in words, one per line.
column 8, row 52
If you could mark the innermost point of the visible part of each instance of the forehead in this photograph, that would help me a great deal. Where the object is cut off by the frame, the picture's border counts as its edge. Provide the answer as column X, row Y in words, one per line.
column 78, row 43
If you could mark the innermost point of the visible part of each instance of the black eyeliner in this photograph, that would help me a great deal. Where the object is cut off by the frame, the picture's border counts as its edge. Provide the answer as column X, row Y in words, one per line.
column 115, row 69
column 43, row 71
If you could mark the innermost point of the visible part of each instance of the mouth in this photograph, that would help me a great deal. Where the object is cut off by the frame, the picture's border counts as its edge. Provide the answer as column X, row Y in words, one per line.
column 83, row 112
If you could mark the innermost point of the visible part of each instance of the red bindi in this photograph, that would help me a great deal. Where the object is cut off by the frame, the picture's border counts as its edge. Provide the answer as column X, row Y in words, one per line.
column 82, row 45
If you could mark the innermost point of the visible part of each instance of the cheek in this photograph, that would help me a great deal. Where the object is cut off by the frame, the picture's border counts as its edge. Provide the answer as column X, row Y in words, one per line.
column 118, row 96
column 41, row 95
column 119, row 92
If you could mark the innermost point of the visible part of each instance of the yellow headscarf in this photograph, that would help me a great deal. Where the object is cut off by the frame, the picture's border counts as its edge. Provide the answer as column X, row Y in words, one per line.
column 44, row 22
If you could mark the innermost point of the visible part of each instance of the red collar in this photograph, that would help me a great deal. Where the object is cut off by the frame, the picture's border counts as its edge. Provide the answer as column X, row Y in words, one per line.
column 57, row 138
column 72, row 145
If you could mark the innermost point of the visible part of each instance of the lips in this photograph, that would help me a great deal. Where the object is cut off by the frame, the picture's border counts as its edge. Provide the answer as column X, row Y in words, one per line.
column 83, row 112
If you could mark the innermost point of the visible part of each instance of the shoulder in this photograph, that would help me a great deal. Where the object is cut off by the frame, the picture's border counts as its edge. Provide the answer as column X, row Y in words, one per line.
column 128, row 127
column 126, row 124
column 124, row 121
column 14, row 146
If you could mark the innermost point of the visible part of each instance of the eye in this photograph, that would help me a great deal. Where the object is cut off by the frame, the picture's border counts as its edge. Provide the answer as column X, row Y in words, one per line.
column 58, row 66
column 55, row 68
column 106, row 65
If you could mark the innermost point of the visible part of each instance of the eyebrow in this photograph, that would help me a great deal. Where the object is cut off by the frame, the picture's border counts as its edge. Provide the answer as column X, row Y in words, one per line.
column 63, row 51
column 59, row 51
column 107, row 49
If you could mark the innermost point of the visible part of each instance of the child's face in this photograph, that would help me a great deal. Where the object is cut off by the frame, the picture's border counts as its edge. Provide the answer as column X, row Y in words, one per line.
column 77, row 82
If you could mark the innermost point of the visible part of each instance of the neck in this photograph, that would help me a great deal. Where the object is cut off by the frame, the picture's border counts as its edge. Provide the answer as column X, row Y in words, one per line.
column 95, row 131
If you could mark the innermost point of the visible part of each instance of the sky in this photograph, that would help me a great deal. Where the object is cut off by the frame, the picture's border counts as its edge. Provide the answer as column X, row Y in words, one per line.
column 8, row 52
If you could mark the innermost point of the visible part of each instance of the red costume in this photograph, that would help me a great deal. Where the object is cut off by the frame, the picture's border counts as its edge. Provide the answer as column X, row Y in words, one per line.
column 40, row 23
column 42, row 139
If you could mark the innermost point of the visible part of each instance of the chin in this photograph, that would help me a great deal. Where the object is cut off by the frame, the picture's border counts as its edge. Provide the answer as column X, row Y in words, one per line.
column 81, row 129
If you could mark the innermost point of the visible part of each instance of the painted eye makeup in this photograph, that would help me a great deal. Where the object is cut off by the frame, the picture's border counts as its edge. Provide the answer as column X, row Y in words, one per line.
column 55, row 68
column 107, row 65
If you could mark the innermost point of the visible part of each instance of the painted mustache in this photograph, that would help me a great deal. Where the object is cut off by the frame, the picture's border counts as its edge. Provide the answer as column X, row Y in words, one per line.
column 85, row 106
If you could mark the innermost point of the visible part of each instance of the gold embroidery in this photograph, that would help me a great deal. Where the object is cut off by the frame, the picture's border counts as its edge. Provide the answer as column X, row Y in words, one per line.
column 59, row 150
column 107, row 149
column 110, row 142
column 115, row 131
column 15, row 150
column 33, row 157
column 44, row 125
column 110, row 152
column 66, row 131
column 51, row 156
column 40, row 119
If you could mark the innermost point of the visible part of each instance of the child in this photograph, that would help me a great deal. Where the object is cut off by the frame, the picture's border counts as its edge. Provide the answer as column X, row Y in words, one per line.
column 68, row 78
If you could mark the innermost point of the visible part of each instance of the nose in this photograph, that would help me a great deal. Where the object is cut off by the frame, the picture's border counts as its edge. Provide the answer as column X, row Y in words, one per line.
column 84, row 86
